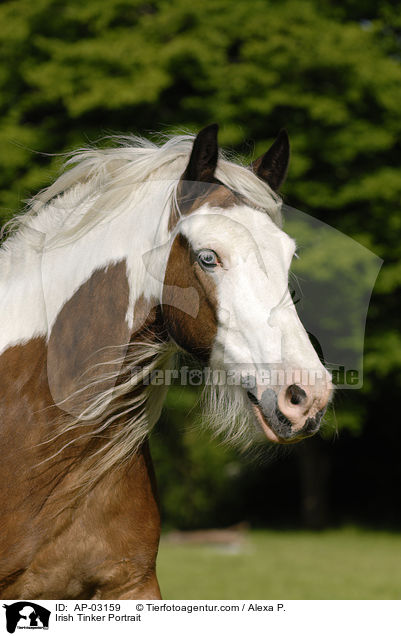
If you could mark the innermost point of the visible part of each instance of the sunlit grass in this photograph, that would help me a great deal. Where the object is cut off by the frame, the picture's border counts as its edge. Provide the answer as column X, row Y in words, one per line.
column 336, row 564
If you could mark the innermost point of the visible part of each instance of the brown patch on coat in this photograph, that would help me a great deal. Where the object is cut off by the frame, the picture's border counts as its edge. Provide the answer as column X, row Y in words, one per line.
column 195, row 334
column 25, row 408
column 90, row 332
column 104, row 546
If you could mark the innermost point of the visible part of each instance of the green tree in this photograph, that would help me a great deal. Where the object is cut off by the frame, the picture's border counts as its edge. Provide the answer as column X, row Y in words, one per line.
column 73, row 72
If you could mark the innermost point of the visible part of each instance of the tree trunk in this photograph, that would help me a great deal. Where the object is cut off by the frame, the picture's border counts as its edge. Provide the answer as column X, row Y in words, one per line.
column 314, row 468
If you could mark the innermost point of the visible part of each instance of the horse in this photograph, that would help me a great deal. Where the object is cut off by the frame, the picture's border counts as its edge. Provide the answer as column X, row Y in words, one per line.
column 137, row 252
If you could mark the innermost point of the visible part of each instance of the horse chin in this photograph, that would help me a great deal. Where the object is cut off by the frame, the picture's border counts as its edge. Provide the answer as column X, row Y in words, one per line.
column 266, row 428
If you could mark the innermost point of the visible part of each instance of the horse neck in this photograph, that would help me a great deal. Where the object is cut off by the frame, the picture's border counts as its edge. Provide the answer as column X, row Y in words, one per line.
column 67, row 302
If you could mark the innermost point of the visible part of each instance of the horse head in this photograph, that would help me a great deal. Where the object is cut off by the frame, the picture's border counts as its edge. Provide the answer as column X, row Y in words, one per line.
column 238, row 259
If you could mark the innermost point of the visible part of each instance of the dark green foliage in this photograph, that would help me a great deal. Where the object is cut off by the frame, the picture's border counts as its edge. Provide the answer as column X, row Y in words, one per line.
column 330, row 73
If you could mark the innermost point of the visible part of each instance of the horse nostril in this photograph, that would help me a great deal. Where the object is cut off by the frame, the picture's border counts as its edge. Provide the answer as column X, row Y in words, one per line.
column 295, row 394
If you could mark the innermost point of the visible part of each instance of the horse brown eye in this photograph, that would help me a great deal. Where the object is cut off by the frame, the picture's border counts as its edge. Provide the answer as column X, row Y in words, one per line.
column 208, row 259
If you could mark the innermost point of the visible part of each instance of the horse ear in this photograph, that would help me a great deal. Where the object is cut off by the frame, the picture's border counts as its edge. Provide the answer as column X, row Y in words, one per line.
column 273, row 165
column 203, row 160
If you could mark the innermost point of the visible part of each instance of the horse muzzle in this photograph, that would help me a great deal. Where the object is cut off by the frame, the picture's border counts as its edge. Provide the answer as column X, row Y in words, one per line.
column 292, row 414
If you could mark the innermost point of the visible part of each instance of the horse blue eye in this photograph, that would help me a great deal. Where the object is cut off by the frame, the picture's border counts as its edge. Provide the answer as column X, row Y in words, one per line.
column 208, row 259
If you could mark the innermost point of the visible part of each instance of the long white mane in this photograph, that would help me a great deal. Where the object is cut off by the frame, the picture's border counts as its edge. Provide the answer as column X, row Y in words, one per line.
column 98, row 183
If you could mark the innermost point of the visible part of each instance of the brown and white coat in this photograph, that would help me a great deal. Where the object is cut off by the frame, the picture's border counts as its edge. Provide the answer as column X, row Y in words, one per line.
column 133, row 254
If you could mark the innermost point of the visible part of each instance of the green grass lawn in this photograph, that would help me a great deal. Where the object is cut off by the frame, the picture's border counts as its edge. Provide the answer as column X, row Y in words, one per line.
column 336, row 564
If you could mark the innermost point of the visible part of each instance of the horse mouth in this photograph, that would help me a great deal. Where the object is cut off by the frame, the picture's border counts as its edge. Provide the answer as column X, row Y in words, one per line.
column 267, row 428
